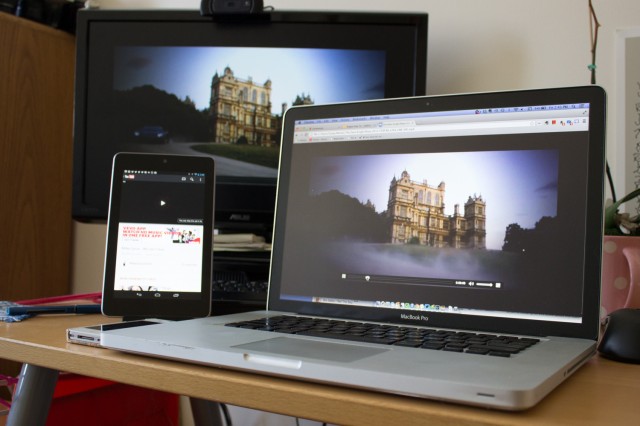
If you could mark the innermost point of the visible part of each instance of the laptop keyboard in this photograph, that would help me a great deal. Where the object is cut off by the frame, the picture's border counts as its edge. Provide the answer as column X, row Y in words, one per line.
column 425, row 338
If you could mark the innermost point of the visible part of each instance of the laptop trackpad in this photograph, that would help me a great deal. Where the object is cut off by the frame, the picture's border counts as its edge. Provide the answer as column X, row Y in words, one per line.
column 338, row 352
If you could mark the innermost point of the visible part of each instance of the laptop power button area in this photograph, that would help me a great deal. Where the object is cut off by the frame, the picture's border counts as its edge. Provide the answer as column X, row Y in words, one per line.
column 273, row 361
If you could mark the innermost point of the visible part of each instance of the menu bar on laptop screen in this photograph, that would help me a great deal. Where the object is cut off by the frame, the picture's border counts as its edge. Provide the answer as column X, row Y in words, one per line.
column 511, row 120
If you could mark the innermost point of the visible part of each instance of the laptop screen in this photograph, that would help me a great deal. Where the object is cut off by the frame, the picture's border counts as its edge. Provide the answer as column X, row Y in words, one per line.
column 438, row 214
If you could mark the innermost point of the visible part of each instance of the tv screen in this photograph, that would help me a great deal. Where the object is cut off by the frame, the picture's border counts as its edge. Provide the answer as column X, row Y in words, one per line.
column 178, row 82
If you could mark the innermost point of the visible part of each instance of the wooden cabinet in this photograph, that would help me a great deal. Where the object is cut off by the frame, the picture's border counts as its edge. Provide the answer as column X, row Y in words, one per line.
column 36, row 115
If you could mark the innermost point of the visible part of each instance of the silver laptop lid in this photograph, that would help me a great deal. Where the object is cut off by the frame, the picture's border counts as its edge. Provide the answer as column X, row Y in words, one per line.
column 479, row 211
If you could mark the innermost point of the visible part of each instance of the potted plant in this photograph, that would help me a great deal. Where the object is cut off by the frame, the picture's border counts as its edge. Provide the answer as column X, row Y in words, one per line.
column 616, row 223
column 621, row 258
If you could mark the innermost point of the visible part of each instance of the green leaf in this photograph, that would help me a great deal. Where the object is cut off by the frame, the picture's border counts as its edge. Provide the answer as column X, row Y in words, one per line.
column 611, row 214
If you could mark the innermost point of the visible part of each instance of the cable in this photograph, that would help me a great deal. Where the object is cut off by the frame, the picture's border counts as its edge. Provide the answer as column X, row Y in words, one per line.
column 610, row 180
column 225, row 413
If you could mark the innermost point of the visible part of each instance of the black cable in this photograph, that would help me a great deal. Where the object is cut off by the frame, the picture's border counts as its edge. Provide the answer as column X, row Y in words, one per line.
column 225, row 413
column 610, row 179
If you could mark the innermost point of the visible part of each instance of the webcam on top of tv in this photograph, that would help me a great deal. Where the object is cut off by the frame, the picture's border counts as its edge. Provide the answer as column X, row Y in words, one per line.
column 231, row 7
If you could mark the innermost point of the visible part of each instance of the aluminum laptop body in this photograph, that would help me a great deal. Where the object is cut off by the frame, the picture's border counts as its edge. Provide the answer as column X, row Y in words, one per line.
column 466, row 215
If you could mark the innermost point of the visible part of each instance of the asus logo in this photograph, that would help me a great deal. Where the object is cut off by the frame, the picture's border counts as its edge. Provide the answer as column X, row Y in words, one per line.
column 239, row 217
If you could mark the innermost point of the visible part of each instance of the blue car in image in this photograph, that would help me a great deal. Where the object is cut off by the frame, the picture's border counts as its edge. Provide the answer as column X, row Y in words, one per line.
column 151, row 134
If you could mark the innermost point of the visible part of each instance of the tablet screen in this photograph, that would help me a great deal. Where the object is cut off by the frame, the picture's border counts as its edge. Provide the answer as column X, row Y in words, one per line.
column 159, row 238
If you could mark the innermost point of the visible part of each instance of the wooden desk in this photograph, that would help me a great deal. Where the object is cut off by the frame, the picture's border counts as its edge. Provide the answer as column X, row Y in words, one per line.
column 602, row 392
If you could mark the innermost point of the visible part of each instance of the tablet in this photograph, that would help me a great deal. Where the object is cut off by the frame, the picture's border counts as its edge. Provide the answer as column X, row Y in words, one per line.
column 159, row 253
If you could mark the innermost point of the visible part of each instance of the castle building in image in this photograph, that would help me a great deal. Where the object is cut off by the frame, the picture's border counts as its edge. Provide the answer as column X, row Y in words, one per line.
column 241, row 111
column 418, row 216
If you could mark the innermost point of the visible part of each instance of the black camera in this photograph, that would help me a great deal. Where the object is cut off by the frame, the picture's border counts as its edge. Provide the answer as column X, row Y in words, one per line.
column 214, row 7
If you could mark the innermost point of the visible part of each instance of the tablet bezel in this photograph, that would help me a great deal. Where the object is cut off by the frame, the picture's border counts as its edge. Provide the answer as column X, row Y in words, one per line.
column 113, row 304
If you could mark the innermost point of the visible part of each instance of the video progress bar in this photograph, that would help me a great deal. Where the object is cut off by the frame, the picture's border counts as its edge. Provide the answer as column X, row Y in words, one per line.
column 433, row 282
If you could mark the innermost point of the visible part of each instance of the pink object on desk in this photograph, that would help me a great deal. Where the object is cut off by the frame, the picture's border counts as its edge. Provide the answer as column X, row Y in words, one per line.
column 93, row 297
column 620, row 274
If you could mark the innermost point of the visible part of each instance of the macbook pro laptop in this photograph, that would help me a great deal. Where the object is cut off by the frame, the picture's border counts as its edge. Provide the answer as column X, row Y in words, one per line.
column 442, row 247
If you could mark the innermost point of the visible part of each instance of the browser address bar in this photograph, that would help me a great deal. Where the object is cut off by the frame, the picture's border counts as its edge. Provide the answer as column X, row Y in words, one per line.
column 421, row 128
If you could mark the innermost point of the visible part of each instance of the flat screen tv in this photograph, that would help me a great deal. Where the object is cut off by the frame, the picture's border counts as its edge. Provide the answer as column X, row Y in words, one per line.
column 178, row 82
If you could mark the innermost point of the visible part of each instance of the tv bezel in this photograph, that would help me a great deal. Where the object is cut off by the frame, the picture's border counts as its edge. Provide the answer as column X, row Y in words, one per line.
column 259, row 217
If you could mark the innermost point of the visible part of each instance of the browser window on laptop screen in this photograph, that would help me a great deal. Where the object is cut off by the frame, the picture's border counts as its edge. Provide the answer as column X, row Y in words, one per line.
column 454, row 212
